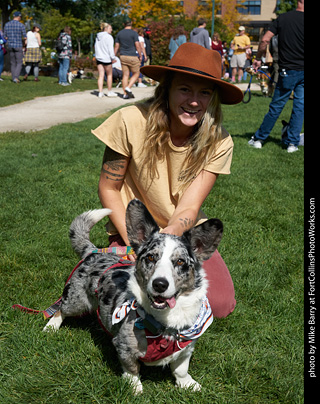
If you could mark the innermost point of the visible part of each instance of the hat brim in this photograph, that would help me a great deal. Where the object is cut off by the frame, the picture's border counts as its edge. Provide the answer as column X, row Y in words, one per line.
column 229, row 93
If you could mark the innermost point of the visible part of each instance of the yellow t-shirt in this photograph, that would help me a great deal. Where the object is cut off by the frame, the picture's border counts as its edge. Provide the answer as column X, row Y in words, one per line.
column 241, row 40
column 124, row 132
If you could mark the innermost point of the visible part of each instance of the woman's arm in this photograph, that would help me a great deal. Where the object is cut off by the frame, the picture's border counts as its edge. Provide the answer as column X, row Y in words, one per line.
column 38, row 36
column 185, row 214
column 114, row 167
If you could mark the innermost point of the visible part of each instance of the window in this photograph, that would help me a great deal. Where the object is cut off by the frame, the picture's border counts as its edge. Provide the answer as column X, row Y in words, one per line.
column 249, row 7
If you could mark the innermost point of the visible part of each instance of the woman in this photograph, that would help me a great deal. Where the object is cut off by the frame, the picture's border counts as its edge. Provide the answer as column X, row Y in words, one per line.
column 169, row 151
column 104, row 52
column 177, row 39
column 65, row 56
column 33, row 53
column 216, row 43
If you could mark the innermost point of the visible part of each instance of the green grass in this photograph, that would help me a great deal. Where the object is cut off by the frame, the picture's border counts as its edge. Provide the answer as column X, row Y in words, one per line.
column 255, row 355
column 28, row 90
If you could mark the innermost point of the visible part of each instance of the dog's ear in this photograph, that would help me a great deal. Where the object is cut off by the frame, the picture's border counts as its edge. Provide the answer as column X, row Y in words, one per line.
column 140, row 224
column 205, row 238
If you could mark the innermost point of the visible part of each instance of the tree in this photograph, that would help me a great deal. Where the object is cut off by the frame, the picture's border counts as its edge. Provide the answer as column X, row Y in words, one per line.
column 141, row 12
column 286, row 5
column 7, row 7
column 53, row 22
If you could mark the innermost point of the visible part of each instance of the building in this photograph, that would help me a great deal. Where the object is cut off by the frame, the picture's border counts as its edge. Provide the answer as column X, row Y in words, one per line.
column 256, row 15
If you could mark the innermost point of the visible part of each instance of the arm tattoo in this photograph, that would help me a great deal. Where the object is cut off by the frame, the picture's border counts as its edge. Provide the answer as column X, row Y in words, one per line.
column 112, row 161
column 186, row 223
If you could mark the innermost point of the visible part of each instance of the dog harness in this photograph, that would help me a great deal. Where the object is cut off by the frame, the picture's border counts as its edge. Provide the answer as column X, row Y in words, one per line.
column 158, row 347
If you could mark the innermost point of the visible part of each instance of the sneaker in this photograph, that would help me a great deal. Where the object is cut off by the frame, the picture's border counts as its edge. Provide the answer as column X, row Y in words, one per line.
column 292, row 148
column 129, row 93
column 16, row 81
column 65, row 84
column 141, row 85
column 1, row 79
column 101, row 95
column 257, row 144
column 112, row 94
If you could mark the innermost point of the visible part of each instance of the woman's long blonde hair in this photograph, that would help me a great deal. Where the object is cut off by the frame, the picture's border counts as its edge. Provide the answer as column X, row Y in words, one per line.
column 207, row 133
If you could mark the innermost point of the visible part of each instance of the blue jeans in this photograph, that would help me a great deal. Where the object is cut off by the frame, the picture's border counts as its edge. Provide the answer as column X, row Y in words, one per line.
column 64, row 64
column 291, row 80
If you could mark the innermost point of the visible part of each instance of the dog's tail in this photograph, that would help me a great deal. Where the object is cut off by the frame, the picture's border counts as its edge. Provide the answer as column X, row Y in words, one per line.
column 80, row 230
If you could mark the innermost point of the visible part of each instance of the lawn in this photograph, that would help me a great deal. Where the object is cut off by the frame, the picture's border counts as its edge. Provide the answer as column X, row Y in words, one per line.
column 254, row 356
column 28, row 90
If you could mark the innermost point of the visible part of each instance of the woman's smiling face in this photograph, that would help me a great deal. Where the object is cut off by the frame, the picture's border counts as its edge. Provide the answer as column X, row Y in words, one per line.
column 189, row 97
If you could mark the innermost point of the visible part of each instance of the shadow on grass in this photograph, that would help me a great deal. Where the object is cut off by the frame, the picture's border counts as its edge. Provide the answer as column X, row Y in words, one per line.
column 103, row 342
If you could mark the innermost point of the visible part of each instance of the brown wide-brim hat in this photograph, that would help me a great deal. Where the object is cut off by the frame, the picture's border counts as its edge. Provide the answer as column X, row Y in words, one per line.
column 196, row 60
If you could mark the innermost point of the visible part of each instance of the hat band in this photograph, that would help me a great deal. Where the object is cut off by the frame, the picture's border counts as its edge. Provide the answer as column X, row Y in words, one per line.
column 190, row 70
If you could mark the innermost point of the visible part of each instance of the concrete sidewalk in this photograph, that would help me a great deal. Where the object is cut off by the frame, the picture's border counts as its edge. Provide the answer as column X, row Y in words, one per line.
column 44, row 112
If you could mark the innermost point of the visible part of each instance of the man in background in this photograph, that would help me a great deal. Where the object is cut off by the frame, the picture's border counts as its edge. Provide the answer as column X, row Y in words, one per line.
column 127, row 41
column 15, row 34
column 239, row 44
column 200, row 35
column 290, row 30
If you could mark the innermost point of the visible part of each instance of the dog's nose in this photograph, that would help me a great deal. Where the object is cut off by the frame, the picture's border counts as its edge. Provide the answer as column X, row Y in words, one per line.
column 160, row 285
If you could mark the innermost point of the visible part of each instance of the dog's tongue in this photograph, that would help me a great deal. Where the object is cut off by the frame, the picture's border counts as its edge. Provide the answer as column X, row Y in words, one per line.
column 171, row 302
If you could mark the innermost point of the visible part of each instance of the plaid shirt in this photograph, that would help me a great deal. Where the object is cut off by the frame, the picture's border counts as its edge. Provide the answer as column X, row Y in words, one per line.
column 14, row 31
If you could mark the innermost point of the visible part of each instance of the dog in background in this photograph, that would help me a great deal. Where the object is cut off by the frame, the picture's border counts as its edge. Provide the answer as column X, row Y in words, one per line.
column 156, row 308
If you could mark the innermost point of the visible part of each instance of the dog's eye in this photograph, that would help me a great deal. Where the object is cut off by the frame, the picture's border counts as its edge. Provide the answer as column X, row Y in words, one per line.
column 150, row 258
column 180, row 262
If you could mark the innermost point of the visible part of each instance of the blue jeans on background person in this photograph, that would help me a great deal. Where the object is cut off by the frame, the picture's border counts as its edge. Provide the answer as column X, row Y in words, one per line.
column 64, row 64
column 289, row 80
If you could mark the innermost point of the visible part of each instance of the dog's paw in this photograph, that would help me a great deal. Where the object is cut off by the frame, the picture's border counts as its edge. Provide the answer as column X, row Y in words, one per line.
column 134, row 381
column 187, row 383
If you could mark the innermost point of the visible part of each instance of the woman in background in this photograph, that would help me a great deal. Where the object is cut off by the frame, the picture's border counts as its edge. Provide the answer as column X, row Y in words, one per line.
column 65, row 55
column 177, row 39
column 104, row 53
column 33, row 53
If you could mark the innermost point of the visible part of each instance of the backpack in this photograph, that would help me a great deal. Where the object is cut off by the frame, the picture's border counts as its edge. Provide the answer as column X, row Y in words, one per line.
column 59, row 45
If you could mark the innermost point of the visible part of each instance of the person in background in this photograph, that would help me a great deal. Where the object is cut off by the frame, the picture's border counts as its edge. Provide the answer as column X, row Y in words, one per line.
column 200, row 35
column 2, row 52
column 148, row 46
column 216, row 43
column 65, row 55
column 225, row 61
column 105, row 57
column 116, row 70
column 32, row 57
column 240, row 44
column 177, row 39
column 127, row 43
column 144, row 57
column 169, row 151
column 15, row 33
column 290, row 30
